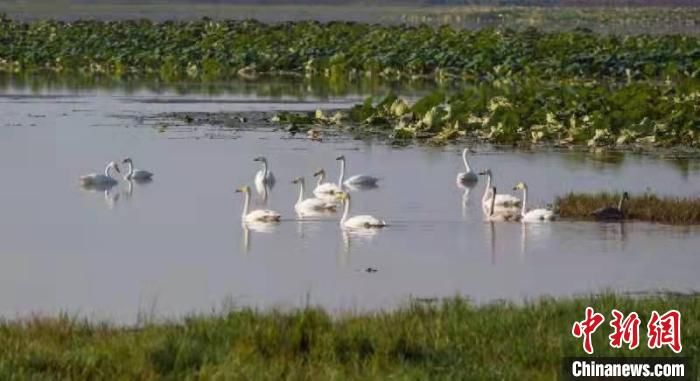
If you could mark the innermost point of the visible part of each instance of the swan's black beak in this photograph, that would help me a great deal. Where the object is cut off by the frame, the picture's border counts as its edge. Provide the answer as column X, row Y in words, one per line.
column 340, row 158
column 317, row 173
column 515, row 188
column 116, row 168
column 482, row 173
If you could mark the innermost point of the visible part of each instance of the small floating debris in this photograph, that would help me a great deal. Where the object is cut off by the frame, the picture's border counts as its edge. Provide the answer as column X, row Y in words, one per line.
column 314, row 135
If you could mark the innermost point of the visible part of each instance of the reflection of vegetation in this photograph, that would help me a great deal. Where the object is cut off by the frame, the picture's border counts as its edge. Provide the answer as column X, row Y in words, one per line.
column 434, row 340
column 267, row 86
column 645, row 207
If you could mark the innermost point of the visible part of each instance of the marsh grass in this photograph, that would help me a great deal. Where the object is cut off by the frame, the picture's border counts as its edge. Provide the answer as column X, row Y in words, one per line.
column 453, row 339
column 644, row 207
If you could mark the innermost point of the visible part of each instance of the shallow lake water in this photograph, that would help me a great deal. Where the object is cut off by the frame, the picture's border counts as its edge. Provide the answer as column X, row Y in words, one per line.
column 176, row 245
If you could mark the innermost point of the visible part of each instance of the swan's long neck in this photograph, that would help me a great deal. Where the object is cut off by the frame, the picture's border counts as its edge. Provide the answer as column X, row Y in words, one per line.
column 107, row 169
column 493, row 201
column 466, row 163
column 524, row 208
column 321, row 177
column 265, row 169
column 619, row 205
column 246, row 204
column 301, row 192
column 488, row 189
column 346, row 210
column 342, row 173
column 131, row 169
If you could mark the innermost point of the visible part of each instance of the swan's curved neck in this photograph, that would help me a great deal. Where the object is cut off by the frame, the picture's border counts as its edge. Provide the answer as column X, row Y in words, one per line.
column 619, row 205
column 265, row 169
column 493, row 201
column 524, row 207
column 321, row 177
column 107, row 169
column 346, row 210
column 342, row 173
column 301, row 191
column 131, row 169
column 487, row 189
column 246, row 204
column 466, row 163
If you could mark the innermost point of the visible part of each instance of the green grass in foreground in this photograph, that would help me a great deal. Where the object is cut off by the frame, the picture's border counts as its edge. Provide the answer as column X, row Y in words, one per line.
column 644, row 207
column 452, row 340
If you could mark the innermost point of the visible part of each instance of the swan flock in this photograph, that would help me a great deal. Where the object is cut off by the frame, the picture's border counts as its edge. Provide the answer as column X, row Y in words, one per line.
column 329, row 197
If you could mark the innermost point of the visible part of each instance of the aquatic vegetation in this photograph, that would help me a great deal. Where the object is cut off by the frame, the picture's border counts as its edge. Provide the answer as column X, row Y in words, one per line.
column 641, row 207
column 565, row 113
column 208, row 50
column 450, row 339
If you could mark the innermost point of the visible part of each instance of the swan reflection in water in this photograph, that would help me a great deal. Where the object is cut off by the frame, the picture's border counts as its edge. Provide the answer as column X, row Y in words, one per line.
column 111, row 196
column 255, row 227
column 348, row 237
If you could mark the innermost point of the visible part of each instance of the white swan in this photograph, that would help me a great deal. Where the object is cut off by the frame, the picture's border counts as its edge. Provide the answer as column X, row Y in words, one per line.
column 357, row 181
column 310, row 205
column 325, row 190
column 468, row 177
column 136, row 174
column 502, row 201
column 535, row 215
column 258, row 215
column 264, row 176
column 101, row 180
column 357, row 222
column 503, row 215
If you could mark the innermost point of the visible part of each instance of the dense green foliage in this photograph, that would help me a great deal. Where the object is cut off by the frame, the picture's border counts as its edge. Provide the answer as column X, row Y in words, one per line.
column 630, row 115
column 566, row 88
column 220, row 49
column 644, row 207
column 450, row 340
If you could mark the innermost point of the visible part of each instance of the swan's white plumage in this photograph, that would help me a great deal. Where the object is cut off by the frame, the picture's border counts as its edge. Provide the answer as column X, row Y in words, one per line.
column 363, row 221
column 264, row 176
column 325, row 190
column 135, row 173
column 357, row 222
column 499, row 215
column 97, row 179
column 310, row 205
column 535, row 215
column 258, row 215
column 468, row 177
column 262, row 215
column 357, row 181
column 502, row 201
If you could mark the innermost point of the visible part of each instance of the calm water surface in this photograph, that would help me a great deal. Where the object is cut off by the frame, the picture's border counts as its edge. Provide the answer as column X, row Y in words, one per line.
column 176, row 245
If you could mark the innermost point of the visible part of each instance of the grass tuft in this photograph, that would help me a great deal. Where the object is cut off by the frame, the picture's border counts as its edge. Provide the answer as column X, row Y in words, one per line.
column 644, row 207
